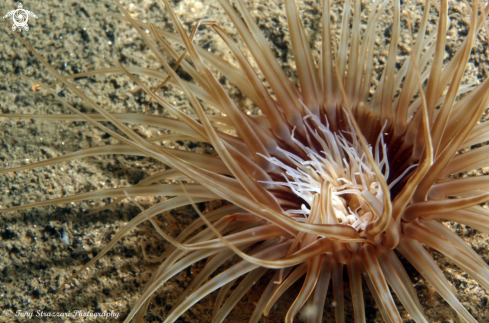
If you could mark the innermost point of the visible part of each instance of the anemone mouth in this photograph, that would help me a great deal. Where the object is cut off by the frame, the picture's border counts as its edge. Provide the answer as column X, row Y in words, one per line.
column 329, row 177
column 335, row 173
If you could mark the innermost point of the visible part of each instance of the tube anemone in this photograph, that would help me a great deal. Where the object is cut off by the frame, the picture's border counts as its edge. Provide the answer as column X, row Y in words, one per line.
column 345, row 171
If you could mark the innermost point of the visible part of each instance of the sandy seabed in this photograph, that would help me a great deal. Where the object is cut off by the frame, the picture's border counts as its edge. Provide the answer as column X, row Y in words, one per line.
column 41, row 247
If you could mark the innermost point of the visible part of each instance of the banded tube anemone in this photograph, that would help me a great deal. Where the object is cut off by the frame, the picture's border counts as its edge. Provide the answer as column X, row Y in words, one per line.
column 345, row 171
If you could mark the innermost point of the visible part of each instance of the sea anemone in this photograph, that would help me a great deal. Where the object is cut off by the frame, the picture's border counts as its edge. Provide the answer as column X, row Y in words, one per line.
column 351, row 168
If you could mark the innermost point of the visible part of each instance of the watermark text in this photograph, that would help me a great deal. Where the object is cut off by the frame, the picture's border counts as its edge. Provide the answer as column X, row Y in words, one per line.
column 75, row 313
